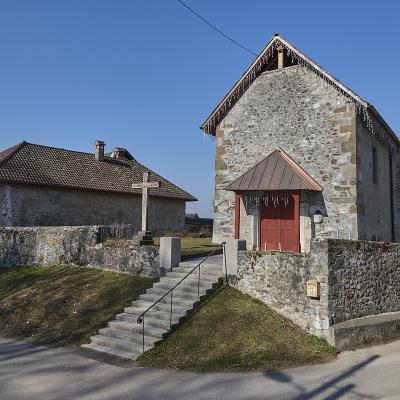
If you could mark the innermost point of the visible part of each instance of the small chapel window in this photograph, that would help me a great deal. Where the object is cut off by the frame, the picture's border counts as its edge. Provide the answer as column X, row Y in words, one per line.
column 374, row 165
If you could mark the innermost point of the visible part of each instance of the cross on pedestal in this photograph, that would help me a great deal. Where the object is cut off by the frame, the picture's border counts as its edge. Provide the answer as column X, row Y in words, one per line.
column 145, row 185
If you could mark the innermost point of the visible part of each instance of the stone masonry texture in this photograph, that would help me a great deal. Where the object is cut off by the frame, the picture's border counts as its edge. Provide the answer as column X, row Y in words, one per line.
column 280, row 281
column 357, row 279
column 364, row 279
column 318, row 127
column 82, row 245
column 373, row 199
column 24, row 205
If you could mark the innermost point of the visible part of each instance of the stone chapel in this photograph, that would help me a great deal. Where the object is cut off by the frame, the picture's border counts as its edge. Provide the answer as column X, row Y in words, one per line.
column 300, row 156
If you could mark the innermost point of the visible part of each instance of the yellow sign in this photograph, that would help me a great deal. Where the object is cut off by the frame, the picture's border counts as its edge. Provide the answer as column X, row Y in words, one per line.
column 313, row 288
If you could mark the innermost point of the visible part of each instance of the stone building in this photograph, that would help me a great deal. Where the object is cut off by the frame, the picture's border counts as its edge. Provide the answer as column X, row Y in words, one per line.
column 301, row 156
column 47, row 186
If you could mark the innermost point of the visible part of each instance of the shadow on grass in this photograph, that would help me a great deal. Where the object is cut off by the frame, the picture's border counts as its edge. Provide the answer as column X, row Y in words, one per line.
column 63, row 305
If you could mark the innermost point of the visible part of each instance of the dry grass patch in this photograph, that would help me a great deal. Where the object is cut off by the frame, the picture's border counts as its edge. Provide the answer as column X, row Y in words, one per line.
column 233, row 332
column 193, row 245
column 62, row 305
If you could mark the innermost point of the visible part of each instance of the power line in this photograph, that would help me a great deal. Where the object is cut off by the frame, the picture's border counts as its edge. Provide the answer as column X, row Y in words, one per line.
column 215, row 28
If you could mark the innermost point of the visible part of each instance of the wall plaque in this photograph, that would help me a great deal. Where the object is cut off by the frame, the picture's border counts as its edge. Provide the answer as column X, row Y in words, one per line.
column 313, row 289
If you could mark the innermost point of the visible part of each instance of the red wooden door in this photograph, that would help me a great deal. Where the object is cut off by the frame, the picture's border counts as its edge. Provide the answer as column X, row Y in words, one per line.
column 280, row 226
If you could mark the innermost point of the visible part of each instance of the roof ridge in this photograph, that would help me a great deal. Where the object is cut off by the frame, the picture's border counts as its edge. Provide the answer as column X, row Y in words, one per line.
column 60, row 148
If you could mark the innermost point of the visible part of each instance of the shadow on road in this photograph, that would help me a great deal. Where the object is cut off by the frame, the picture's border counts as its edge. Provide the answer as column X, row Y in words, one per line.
column 318, row 392
column 31, row 372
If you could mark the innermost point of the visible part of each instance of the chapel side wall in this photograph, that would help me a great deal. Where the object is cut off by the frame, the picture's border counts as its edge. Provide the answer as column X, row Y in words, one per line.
column 373, row 206
column 25, row 205
column 294, row 109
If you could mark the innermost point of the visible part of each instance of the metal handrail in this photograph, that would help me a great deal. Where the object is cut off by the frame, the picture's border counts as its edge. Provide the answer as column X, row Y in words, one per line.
column 140, row 319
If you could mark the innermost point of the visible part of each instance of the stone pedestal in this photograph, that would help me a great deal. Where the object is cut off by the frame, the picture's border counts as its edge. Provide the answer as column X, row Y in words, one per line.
column 232, row 248
column 143, row 238
column 170, row 252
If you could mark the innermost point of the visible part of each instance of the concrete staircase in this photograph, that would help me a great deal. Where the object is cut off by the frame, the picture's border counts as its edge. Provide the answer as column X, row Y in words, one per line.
column 124, row 336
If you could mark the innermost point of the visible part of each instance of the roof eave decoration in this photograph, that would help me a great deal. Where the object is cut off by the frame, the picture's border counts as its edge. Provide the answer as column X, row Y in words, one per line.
column 362, row 107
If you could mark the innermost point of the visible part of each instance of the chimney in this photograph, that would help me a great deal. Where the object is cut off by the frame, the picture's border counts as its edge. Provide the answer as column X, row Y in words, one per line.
column 99, row 154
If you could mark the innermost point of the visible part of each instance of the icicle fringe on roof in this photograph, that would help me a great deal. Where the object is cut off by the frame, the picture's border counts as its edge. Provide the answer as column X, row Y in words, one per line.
column 363, row 108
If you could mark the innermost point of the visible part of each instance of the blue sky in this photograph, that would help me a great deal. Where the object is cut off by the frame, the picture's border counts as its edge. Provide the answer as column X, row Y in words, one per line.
column 144, row 74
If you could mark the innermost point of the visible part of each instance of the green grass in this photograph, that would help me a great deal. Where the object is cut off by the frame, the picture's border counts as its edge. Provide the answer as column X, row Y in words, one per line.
column 62, row 305
column 233, row 332
column 191, row 245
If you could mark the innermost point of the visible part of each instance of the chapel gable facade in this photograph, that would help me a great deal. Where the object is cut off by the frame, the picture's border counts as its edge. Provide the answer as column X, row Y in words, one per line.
column 301, row 156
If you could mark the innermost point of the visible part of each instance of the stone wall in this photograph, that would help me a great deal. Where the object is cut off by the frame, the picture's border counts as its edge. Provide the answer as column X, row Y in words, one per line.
column 280, row 280
column 83, row 245
column 357, row 278
column 294, row 109
column 364, row 278
column 24, row 205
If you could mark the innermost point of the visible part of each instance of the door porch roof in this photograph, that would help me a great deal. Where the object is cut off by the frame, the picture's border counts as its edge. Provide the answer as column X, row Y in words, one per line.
column 277, row 171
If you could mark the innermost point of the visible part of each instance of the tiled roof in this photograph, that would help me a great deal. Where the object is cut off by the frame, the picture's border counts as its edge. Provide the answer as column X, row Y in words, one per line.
column 34, row 164
column 275, row 172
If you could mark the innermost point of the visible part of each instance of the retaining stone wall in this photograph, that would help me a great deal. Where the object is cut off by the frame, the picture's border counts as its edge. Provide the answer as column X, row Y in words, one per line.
column 81, row 245
column 357, row 278
column 280, row 280
column 364, row 278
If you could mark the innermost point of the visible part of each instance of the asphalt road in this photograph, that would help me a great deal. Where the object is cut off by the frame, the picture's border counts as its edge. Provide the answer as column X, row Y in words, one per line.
column 32, row 372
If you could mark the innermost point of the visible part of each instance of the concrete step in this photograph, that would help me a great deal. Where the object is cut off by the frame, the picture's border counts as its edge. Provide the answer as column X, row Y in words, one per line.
column 125, row 335
column 158, row 311
column 119, row 344
column 183, row 288
column 175, row 273
column 204, row 270
column 110, row 351
column 178, row 293
column 366, row 331
column 133, row 327
column 149, row 321
column 145, row 304
column 136, row 310
column 187, row 300
column 190, row 281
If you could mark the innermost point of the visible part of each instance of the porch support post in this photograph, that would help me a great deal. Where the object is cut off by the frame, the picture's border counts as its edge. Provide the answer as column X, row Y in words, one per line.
column 296, row 198
column 237, row 215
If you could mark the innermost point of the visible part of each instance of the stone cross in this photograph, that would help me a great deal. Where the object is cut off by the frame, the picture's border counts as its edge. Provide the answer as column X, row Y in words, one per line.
column 145, row 185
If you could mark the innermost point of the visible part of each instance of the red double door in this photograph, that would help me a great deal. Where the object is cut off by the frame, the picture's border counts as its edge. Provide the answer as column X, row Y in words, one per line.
column 280, row 225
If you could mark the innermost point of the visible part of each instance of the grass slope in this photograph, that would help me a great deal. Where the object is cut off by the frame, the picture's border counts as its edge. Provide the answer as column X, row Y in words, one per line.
column 234, row 332
column 62, row 305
